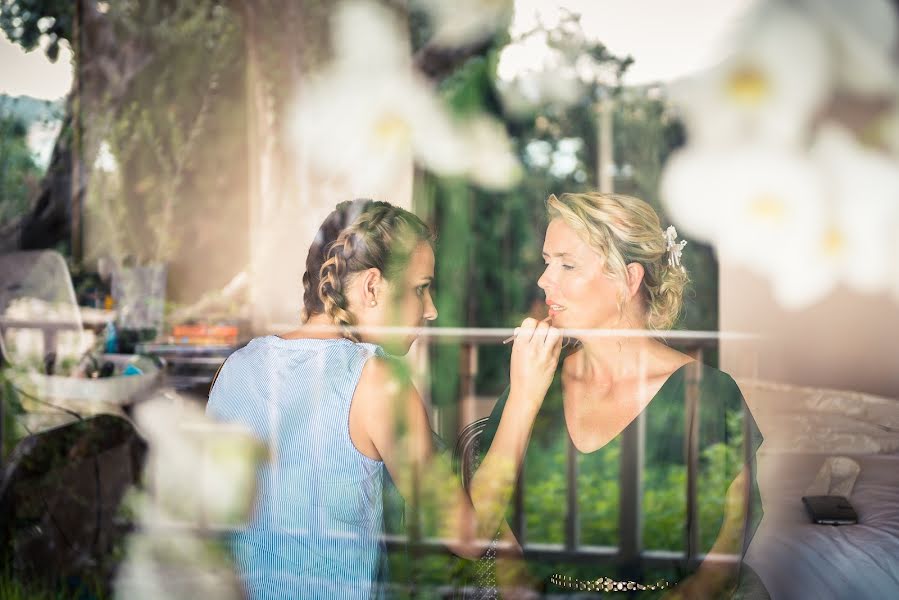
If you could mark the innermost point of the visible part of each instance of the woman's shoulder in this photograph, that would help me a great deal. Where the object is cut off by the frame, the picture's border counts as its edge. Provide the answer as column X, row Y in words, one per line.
column 382, row 370
column 716, row 379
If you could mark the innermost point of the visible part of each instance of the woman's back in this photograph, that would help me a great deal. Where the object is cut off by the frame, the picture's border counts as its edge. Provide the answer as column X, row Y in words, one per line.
column 317, row 526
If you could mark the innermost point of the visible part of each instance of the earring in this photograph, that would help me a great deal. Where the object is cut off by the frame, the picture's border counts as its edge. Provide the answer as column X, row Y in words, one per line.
column 373, row 303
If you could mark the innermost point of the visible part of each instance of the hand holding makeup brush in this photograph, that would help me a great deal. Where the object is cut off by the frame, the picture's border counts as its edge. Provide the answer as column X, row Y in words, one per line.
column 535, row 354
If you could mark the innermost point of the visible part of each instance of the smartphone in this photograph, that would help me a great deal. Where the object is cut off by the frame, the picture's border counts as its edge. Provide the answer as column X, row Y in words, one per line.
column 830, row 510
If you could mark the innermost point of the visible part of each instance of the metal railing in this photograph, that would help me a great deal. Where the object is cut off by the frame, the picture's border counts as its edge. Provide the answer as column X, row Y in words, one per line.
column 630, row 548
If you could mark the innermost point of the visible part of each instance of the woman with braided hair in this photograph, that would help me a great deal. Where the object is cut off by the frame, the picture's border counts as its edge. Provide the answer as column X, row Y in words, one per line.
column 336, row 407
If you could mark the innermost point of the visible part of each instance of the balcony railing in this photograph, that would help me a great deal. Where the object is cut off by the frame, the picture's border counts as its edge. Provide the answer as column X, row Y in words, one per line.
column 630, row 549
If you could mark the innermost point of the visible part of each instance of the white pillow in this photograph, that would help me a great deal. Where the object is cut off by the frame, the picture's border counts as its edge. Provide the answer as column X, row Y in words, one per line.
column 814, row 420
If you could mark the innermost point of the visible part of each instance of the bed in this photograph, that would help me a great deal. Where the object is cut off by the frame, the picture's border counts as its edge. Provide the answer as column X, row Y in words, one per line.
column 803, row 427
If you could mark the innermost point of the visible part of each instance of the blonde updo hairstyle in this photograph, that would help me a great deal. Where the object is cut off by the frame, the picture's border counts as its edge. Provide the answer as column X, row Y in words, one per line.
column 358, row 235
column 623, row 229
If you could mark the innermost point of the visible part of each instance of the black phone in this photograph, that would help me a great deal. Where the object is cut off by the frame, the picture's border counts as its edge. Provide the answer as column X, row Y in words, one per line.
column 830, row 510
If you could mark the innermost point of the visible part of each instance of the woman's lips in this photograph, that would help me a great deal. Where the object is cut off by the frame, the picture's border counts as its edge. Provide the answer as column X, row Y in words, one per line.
column 555, row 308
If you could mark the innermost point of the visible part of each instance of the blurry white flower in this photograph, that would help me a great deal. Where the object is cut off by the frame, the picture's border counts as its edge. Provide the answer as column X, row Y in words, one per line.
column 367, row 36
column 864, row 185
column 863, row 36
column 806, row 223
column 690, row 190
column 368, row 116
column 773, row 183
column 200, row 472
column 772, row 209
column 176, row 565
column 493, row 163
column 760, row 207
column 466, row 21
column 368, row 129
column 768, row 90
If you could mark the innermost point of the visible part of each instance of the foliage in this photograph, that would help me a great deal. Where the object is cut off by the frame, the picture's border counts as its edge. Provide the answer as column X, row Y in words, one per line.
column 14, row 588
column 663, row 506
column 31, row 110
column 25, row 22
column 19, row 175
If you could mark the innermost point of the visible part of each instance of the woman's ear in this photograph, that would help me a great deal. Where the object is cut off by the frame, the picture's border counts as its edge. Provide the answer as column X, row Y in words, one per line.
column 635, row 273
column 371, row 289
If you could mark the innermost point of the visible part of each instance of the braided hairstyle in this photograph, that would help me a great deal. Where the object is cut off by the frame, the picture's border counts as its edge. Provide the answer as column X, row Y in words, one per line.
column 624, row 229
column 358, row 235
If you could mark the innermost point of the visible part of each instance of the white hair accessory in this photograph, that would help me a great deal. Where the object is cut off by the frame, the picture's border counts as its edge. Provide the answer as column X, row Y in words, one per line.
column 673, row 247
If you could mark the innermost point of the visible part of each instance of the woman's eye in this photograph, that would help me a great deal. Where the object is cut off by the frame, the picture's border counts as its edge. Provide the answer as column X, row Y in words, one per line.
column 568, row 267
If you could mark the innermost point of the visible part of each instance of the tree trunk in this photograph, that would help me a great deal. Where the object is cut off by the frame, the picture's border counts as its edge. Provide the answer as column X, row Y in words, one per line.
column 105, row 66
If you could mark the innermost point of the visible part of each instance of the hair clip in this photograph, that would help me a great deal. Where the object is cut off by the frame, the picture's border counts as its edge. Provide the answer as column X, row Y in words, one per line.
column 673, row 247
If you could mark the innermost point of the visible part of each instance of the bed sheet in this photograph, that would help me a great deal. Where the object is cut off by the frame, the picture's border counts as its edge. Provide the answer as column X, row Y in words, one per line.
column 798, row 559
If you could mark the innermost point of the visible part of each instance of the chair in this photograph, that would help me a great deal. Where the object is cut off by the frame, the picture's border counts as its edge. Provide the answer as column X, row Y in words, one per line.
column 466, row 450
column 42, row 338
column 466, row 459
column 37, row 294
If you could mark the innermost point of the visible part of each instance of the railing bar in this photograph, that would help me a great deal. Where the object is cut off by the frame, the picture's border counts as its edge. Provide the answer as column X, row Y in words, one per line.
column 691, row 427
column 572, row 516
column 630, row 508
column 584, row 554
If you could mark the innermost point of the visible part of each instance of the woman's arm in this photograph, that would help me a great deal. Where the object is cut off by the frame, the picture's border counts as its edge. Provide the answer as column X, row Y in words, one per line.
column 714, row 576
column 389, row 410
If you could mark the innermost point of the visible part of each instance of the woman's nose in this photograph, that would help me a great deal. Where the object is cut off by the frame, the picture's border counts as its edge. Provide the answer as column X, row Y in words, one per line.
column 544, row 281
column 430, row 309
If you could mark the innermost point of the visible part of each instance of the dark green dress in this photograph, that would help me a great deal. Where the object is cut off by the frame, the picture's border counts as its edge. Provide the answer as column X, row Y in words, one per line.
column 723, row 421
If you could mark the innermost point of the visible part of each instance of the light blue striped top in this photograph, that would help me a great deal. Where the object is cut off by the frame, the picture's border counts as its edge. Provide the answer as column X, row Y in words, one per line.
column 318, row 522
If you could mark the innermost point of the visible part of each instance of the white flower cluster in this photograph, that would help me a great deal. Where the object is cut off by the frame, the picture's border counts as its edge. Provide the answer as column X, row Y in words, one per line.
column 367, row 116
column 200, row 477
column 792, row 165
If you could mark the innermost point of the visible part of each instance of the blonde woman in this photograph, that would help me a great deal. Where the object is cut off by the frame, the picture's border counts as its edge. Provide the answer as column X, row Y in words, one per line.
column 611, row 266
column 335, row 409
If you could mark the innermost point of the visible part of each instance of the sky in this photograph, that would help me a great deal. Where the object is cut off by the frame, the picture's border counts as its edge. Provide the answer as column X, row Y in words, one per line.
column 32, row 74
column 667, row 39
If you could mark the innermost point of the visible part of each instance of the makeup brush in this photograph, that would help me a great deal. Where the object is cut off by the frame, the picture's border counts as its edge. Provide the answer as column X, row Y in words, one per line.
column 512, row 337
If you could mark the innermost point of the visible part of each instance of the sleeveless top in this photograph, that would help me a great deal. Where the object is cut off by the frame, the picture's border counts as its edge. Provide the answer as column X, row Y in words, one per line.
column 724, row 422
column 317, row 527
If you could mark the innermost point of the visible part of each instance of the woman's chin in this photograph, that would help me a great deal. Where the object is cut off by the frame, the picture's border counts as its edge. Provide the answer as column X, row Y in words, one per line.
column 560, row 319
